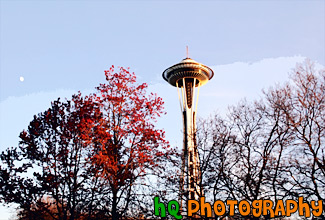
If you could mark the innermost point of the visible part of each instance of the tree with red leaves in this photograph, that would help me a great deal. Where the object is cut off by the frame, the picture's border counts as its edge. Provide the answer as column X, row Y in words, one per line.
column 89, row 157
column 126, row 143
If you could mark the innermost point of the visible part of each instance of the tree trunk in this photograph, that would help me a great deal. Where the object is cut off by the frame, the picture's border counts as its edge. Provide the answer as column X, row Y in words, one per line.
column 115, row 215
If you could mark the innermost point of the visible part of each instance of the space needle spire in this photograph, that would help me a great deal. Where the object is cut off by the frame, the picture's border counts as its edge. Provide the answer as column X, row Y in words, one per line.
column 188, row 76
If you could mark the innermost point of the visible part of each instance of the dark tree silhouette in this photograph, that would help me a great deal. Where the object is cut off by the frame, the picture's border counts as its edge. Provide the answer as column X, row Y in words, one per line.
column 89, row 157
column 47, row 175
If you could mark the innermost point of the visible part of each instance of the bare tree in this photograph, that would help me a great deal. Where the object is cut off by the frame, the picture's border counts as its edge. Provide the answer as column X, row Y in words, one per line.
column 269, row 149
column 302, row 104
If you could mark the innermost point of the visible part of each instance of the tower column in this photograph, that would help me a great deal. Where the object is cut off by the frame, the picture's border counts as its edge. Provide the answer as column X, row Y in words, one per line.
column 191, row 166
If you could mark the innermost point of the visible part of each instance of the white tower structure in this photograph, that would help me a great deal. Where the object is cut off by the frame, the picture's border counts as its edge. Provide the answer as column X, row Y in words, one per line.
column 188, row 76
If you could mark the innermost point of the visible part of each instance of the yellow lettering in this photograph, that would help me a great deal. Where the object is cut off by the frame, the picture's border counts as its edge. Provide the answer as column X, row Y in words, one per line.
column 279, row 207
column 205, row 205
column 267, row 206
column 290, row 209
column 315, row 207
column 231, row 204
column 192, row 207
column 217, row 211
column 257, row 205
column 244, row 211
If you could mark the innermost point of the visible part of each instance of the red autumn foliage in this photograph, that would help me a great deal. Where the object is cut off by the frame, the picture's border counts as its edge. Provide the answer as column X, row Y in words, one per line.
column 89, row 155
column 126, row 142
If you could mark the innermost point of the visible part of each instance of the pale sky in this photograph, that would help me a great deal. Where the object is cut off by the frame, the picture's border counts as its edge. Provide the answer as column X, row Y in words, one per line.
column 60, row 47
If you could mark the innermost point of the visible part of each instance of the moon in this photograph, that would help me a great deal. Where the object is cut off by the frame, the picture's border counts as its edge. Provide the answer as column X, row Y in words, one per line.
column 21, row 79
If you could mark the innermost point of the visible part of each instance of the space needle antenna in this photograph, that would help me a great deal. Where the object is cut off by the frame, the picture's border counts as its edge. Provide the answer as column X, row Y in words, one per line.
column 187, row 52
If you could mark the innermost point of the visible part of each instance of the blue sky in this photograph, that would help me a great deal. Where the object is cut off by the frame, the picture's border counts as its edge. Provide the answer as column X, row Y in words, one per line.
column 67, row 44
column 60, row 47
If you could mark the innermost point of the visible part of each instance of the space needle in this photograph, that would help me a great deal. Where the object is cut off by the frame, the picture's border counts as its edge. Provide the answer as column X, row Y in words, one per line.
column 188, row 76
